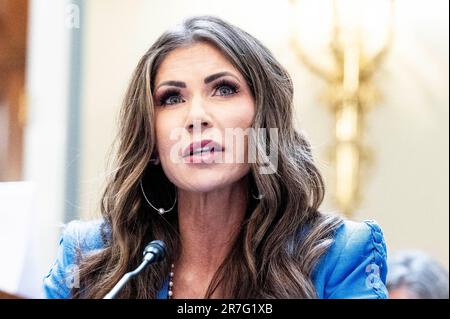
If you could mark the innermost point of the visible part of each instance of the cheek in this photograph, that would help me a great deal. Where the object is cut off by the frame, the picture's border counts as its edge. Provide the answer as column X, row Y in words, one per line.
column 239, row 114
column 164, row 126
column 242, row 117
column 248, row 111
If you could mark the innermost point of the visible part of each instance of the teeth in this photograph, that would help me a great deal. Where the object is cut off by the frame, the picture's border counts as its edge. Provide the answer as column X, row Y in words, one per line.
column 205, row 149
column 201, row 150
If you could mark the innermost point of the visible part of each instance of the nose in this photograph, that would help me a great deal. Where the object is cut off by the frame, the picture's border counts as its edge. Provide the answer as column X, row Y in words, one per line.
column 197, row 124
column 197, row 117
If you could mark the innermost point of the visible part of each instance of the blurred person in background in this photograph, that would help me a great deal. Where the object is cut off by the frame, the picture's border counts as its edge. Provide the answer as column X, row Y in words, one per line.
column 415, row 275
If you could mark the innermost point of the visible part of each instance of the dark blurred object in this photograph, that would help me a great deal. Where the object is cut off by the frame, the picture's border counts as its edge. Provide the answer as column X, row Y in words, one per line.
column 13, row 39
column 415, row 275
column 5, row 295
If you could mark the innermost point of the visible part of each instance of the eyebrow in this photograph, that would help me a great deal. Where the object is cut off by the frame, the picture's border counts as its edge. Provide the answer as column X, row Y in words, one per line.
column 172, row 83
column 214, row 76
column 207, row 80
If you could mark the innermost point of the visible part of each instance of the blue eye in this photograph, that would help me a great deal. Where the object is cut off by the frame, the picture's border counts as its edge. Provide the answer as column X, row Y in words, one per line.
column 170, row 97
column 174, row 99
column 225, row 88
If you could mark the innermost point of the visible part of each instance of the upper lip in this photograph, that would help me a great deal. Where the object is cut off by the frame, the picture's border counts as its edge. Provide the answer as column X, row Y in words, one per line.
column 199, row 144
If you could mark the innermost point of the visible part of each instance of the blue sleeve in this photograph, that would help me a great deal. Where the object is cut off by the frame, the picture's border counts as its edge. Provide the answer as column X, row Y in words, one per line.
column 78, row 239
column 63, row 274
column 355, row 266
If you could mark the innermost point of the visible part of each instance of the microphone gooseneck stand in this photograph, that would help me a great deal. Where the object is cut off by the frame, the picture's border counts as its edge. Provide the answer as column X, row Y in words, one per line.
column 153, row 252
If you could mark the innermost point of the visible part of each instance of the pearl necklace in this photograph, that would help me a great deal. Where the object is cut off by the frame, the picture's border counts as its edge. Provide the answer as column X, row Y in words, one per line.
column 170, row 292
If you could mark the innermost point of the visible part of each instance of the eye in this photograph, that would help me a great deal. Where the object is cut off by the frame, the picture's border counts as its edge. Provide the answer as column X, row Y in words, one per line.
column 225, row 88
column 174, row 99
column 170, row 97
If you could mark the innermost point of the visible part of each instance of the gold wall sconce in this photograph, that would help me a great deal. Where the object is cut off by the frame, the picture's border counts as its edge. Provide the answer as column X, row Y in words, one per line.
column 350, row 92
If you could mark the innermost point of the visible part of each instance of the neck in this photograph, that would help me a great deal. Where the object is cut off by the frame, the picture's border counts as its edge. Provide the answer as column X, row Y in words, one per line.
column 208, row 224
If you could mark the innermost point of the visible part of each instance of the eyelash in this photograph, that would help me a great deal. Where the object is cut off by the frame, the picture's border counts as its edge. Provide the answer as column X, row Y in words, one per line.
column 169, row 93
column 225, row 83
column 162, row 101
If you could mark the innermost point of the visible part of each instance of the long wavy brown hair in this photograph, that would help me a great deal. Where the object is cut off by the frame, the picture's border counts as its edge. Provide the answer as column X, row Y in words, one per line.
column 283, row 234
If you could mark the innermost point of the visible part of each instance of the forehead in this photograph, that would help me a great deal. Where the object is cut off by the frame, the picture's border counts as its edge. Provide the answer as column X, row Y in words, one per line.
column 195, row 61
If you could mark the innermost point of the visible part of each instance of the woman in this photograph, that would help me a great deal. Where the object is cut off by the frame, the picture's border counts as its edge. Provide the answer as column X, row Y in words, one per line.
column 232, row 229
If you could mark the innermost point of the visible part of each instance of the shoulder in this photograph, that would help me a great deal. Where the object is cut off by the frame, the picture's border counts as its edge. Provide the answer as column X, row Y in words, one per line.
column 83, row 237
column 355, row 264
column 86, row 235
column 356, row 237
column 78, row 239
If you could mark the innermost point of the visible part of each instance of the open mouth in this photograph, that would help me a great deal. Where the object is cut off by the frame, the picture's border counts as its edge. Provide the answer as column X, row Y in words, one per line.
column 201, row 148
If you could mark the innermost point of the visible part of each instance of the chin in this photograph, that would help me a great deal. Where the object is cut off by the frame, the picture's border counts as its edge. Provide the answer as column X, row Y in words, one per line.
column 208, row 179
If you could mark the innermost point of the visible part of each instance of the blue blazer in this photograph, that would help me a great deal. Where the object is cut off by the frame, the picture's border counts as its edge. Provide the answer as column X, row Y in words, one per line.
column 353, row 267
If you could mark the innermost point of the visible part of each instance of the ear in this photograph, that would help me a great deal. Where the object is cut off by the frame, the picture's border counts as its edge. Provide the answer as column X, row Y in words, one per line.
column 154, row 159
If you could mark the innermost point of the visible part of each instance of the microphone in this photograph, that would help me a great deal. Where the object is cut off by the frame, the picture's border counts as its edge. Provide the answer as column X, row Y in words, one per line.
column 153, row 252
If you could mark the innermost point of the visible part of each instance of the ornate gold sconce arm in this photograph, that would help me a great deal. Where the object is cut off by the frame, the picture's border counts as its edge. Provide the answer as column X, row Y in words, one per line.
column 350, row 95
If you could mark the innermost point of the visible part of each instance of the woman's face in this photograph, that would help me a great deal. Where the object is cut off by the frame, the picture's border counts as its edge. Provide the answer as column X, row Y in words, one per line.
column 199, row 98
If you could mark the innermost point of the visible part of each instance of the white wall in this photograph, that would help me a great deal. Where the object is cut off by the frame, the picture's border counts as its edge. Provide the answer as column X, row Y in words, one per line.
column 45, row 129
column 407, row 189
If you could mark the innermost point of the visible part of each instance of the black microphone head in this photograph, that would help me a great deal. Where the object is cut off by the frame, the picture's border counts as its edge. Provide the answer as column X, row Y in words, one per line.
column 157, row 248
